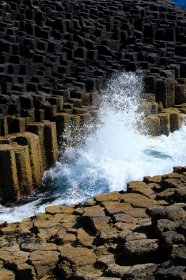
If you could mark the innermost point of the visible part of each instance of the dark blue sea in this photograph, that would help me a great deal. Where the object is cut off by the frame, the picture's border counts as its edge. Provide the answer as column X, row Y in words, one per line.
column 181, row 3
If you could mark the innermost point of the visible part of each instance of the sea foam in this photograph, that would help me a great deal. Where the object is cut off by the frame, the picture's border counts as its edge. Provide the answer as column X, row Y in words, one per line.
column 114, row 152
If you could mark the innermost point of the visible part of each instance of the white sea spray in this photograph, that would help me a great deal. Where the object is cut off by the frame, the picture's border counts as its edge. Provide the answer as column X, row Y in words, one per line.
column 112, row 154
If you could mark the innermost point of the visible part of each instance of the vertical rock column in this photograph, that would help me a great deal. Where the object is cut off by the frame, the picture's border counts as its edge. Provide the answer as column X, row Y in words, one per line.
column 161, row 91
column 74, row 130
column 16, row 124
column 170, row 92
column 33, row 143
column 67, row 126
column 9, row 187
column 164, row 123
column 24, row 171
column 175, row 121
column 38, row 129
column 3, row 126
column 153, row 125
column 48, row 141
column 62, row 125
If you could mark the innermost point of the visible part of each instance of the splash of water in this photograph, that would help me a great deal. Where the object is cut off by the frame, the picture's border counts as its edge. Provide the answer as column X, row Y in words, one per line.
column 113, row 154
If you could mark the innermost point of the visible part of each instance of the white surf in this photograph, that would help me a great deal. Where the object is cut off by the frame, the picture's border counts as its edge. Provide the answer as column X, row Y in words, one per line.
column 114, row 153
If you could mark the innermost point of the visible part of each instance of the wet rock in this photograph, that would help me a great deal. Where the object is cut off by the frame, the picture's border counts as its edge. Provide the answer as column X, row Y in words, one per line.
column 152, row 124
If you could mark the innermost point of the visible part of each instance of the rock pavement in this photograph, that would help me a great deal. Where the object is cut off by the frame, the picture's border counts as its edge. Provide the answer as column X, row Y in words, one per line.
column 138, row 235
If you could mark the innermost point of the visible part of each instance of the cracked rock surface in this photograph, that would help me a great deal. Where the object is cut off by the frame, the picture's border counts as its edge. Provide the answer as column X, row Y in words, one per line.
column 129, row 236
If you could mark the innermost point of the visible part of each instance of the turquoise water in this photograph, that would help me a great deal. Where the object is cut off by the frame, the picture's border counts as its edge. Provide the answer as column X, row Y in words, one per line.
column 181, row 3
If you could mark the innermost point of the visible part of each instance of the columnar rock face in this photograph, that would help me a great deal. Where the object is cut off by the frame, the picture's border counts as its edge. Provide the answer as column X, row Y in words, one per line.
column 50, row 143
column 9, row 190
column 54, row 58
column 32, row 141
column 56, row 55
column 139, row 235
column 24, row 170
column 69, row 48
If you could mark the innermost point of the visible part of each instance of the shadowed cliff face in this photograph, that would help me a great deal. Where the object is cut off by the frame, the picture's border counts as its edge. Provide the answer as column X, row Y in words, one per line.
column 51, row 45
column 54, row 56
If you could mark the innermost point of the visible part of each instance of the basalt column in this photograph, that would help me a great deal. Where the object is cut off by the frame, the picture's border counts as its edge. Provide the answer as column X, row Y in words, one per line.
column 46, row 131
column 9, row 186
column 33, row 143
column 23, row 166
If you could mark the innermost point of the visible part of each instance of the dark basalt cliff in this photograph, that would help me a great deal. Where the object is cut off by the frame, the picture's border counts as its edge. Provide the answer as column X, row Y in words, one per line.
column 54, row 58
column 51, row 46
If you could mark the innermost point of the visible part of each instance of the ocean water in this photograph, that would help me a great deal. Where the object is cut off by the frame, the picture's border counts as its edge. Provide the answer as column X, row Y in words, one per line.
column 116, row 150
column 181, row 3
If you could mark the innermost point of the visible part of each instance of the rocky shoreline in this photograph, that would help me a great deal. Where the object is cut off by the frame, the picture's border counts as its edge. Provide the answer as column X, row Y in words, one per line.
column 56, row 56
column 140, row 234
